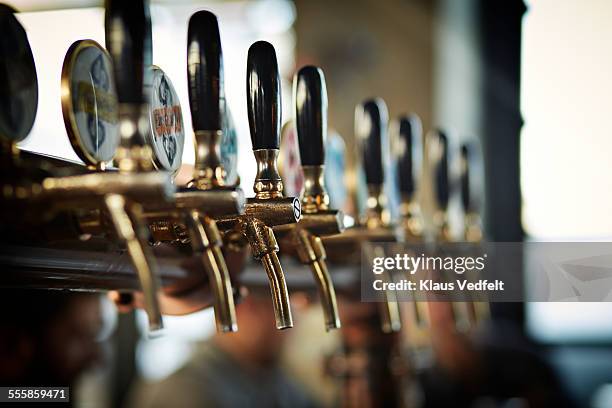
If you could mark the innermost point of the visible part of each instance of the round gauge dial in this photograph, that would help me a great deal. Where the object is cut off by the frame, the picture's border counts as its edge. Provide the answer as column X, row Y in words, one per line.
column 167, row 135
column 18, row 81
column 89, row 102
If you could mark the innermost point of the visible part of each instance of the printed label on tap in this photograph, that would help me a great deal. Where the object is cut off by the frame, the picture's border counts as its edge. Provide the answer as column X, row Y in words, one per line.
column 167, row 135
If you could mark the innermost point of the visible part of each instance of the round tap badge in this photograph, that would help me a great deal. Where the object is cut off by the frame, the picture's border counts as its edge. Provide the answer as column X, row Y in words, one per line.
column 89, row 102
column 229, row 147
column 18, row 82
column 335, row 166
column 289, row 161
column 167, row 135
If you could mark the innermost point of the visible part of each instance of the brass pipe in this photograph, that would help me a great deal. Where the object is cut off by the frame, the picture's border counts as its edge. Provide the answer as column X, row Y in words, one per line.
column 127, row 222
column 311, row 252
column 278, row 290
column 264, row 247
column 206, row 240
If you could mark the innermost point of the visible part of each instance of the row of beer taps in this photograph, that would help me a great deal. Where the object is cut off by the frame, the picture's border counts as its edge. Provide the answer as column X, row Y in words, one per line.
column 125, row 199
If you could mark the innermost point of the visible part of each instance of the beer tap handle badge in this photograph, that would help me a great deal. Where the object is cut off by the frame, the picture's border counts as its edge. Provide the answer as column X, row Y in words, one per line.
column 167, row 135
column 18, row 81
column 289, row 160
column 335, row 168
column 89, row 102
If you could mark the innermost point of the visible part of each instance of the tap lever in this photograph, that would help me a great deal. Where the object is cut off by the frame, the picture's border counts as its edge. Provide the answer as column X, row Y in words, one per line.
column 206, row 97
column 408, row 153
column 471, row 174
column 310, row 94
column 437, row 145
column 128, row 40
column 263, row 96
column 370, row 122
column 205, row 71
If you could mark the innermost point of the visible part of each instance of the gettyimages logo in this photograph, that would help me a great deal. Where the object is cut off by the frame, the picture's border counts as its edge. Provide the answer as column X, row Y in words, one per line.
column 413, row 264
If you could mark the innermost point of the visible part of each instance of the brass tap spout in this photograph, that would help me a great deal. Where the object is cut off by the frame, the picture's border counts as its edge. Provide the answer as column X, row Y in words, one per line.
column 206, row 240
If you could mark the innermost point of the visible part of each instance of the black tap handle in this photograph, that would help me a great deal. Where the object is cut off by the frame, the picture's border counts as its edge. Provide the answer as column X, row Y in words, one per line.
column 370, row 123
column 440, row 167
column 128, row 40
column 310, row 94
column 408, row 153
column 471, row 176
column 263, row 96
column 205, row 71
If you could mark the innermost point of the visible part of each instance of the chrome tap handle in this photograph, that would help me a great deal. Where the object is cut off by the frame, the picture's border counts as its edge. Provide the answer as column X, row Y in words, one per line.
column 370, row 122
column 263, row 96
column 310, row 95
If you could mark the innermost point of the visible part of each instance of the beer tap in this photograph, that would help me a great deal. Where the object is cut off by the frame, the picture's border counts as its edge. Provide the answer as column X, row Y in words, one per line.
column 406, row 138
column 310, row 95
column 470, row 197
column 206, row 196
column 471, row 190
column 437, row 146
column 375, row 225
column 407, row 149
column 268, row 208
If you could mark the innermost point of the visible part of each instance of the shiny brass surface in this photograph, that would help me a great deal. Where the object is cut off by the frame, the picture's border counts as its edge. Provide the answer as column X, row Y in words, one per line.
column 264, row 247
column 411, row 220
column 127, row 219
column 87, row 189
column 317, row 219
column 314, row 196
column 268, row 183
column 208, row 171
column 311, row 252
column 133, row 154
column 206, row 240
column 376, row 215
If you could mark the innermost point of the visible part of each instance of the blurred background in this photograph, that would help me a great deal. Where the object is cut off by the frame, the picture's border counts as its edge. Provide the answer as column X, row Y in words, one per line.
column 528, row 79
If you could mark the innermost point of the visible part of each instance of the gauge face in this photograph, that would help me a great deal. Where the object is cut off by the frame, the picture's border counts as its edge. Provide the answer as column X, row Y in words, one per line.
column 89, row 102
column 18, row 82
column 229, row 148
column 167, row 135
